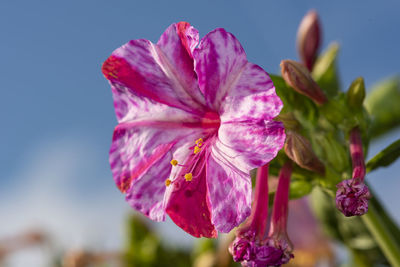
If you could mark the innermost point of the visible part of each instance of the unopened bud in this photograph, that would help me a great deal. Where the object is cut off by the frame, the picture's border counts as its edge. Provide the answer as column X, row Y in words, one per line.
column 352, row 197
column 299, row 149
column 309, row 38
column 298, row 77
column 356, row 93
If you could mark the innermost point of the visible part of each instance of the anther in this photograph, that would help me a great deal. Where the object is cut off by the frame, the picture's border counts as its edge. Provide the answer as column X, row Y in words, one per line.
column 174, row 162
column 188, row 177
column 167, row 182
column 196, row 149
column 199, row 141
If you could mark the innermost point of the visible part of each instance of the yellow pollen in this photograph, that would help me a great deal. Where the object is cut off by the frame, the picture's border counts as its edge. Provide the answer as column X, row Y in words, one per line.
column 174, row 162
column 200, row 140
column 196, row 149
column 188, row 177
column 167, row 182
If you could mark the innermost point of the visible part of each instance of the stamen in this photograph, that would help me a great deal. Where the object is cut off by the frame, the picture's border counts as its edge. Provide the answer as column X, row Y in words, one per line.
column 174, row 162
column 196, row 149
column 188, row 177
column 167, row 182
column 199, row 141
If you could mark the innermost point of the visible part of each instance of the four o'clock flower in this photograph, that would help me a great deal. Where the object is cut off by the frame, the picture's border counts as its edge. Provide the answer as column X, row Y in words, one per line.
column 250, row 247
column 352, row 195
column 192, row 123
column 278, row 238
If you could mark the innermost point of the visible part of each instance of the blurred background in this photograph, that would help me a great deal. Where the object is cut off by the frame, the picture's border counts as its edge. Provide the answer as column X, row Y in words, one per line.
column 57, row 113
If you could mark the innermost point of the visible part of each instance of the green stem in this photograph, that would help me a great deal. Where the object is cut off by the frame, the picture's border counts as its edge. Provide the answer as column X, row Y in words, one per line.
column 383, row 237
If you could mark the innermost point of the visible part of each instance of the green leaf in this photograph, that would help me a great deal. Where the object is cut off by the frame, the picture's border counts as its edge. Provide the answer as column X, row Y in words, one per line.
column 385, row 157
column 383, row 105
column 325, row 72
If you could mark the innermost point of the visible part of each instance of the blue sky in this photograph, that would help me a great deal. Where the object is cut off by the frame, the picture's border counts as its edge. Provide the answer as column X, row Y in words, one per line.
column 56, row 108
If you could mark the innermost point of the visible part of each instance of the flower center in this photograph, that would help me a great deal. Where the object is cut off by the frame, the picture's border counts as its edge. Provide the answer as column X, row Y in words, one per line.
column 211, row 120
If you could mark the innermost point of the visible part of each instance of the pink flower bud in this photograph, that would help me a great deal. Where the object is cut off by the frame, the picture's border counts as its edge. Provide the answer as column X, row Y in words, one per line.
column 352, row 195
column 309, row 38
column 298, row 77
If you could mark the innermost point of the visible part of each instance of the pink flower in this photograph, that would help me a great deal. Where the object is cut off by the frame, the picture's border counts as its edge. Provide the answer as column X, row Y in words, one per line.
column 192, row 123
column 353, row 194
column 250, row 247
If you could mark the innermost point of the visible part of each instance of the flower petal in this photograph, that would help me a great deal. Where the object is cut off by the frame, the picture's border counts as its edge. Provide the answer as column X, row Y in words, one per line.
column 248, row 145
column 177, row 44
column 219, row 61
column 139, row 157
column 163, row 73
column 229, row 193
column 189, row 206
column 147, row 193
column 130, row 107
column 252, row 97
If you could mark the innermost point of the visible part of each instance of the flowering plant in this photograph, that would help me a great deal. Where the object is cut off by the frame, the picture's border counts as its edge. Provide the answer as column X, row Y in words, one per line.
column 195, row 120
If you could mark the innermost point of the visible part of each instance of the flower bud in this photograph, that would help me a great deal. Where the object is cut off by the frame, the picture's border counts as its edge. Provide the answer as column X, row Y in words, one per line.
column 241, row 249
column 309, row 38
column 356, row 93
column 298, row 77
column 299, row 149
column 352, row 197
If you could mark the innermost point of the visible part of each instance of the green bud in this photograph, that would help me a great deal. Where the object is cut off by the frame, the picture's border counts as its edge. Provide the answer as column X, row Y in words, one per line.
column 356, row 93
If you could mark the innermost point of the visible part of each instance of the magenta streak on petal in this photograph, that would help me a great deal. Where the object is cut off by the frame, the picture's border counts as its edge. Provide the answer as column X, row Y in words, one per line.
column 357, row 155
column 125, row 181
column 281, row 201
column 125, row 177
column 169, row 124
column 143, row 68
column 188, row 204
column 259, row 209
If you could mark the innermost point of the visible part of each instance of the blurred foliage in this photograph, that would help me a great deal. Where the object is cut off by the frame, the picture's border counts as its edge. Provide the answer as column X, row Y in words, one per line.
column 143, row 248
column 382, row 103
